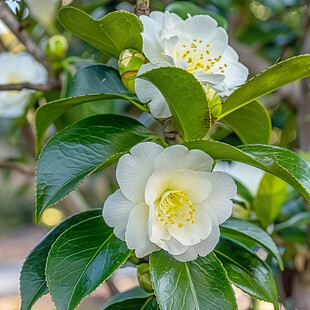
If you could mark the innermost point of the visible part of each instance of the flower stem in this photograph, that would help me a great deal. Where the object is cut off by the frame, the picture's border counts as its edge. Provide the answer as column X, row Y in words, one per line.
column 142, row 7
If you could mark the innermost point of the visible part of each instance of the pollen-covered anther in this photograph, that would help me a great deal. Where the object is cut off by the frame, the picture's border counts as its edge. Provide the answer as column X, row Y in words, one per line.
column 173, row 207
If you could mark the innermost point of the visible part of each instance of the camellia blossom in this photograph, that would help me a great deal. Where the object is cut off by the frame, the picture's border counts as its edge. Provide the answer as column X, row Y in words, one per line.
column 196, row 45
column 18, row 68
column 169, row 199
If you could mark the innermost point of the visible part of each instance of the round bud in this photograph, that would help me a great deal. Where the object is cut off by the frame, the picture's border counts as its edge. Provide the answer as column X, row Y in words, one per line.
column 129, row 64
column 56, row 48
column 214, row 101
column 144, row 277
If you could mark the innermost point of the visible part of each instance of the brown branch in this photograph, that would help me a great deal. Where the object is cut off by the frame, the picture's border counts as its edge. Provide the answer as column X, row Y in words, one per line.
column 50, row 85
column 17, row 167
column 7, row 16
column 142, row 7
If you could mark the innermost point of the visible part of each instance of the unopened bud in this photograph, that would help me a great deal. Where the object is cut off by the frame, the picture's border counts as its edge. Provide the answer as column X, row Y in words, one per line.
column 144, row 277
column 214, row 101
column 56, row 48
column 129, row 64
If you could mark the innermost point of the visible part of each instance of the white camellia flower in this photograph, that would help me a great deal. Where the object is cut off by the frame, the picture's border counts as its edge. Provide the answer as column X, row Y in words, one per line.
column 169, row 199
column 18, row 68
column 196, row 45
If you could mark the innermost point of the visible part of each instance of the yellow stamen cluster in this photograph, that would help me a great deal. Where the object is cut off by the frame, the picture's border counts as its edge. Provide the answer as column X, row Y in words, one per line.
column 197, row 54
column 175, row 208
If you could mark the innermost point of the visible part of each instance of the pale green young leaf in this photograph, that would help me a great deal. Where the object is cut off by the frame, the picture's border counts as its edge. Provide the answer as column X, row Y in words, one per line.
column 270, row 198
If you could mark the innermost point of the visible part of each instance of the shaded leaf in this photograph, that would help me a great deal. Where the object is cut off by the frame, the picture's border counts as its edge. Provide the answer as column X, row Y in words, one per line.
column 91, row 83
column 242, row 228
column 81, row 259
column 82, row 149
column 32, row 277
column 247, row 271
column 251, row 123
column 296, row 220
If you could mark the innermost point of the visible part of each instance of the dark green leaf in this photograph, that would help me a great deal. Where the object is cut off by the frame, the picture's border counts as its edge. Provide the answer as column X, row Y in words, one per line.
column 185, row 97
column 201, row 284
column 111, row 34
column 183, row 8
column 283, row 163
column 278, row 75
column 242, row 228
column 270, row 197
column 134, row 299
column 91, row 83
column 244, row 192
column 298, row 219
column 81, row 149
column 32, row 277
column 81, row 259
column 247, row 271
column 251, row 123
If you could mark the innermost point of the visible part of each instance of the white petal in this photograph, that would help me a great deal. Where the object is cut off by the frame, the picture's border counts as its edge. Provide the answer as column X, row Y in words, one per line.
column 222, row 208
column 197, row 27
column 116, row 211
column 133, row 171
column 170, row 21
column 194, row 185
column 174, row 247
column 13, row 104
column 179, row 157
column 223, row 185
column 148, row 93
column 191, row 234
column 189, row 255
column 218, row 41
column 212, row 79
column 152, row 49
column 205, row 246
column 136, row 235
column 152, row 24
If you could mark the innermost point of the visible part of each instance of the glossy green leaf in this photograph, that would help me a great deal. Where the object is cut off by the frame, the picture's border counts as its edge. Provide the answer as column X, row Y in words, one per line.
column 81, row 259
column 247, row 271
column 111, row 34
column 134, row 293
column 185, row 97
column 283, row 163
column 270, row 198
column 134, row 299
column 251, row 123
column 183, row 8
column 241, row 228
column 200, row 284
column 81, row 149
column 244, row 192
column 91, row 83
column 278, row 75
column 32, row 277
column 296, row 220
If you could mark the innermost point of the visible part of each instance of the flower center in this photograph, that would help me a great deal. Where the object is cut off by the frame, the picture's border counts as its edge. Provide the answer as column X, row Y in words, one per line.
column 197, row 54
column 175, row 208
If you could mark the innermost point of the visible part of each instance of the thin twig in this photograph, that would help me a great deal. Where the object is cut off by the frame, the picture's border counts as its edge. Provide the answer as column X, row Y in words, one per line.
column 142, row 7
column 7, row 16
column 17, row 167
column 50, row 85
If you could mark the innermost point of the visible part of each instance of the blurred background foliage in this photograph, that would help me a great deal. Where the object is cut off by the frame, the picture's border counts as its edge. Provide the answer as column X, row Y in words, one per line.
column 262, row 31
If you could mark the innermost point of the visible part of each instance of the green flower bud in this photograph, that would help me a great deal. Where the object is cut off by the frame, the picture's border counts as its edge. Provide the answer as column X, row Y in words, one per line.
column 214, row 101
column 56, row 48
column 129, row 63
column 144, row 277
